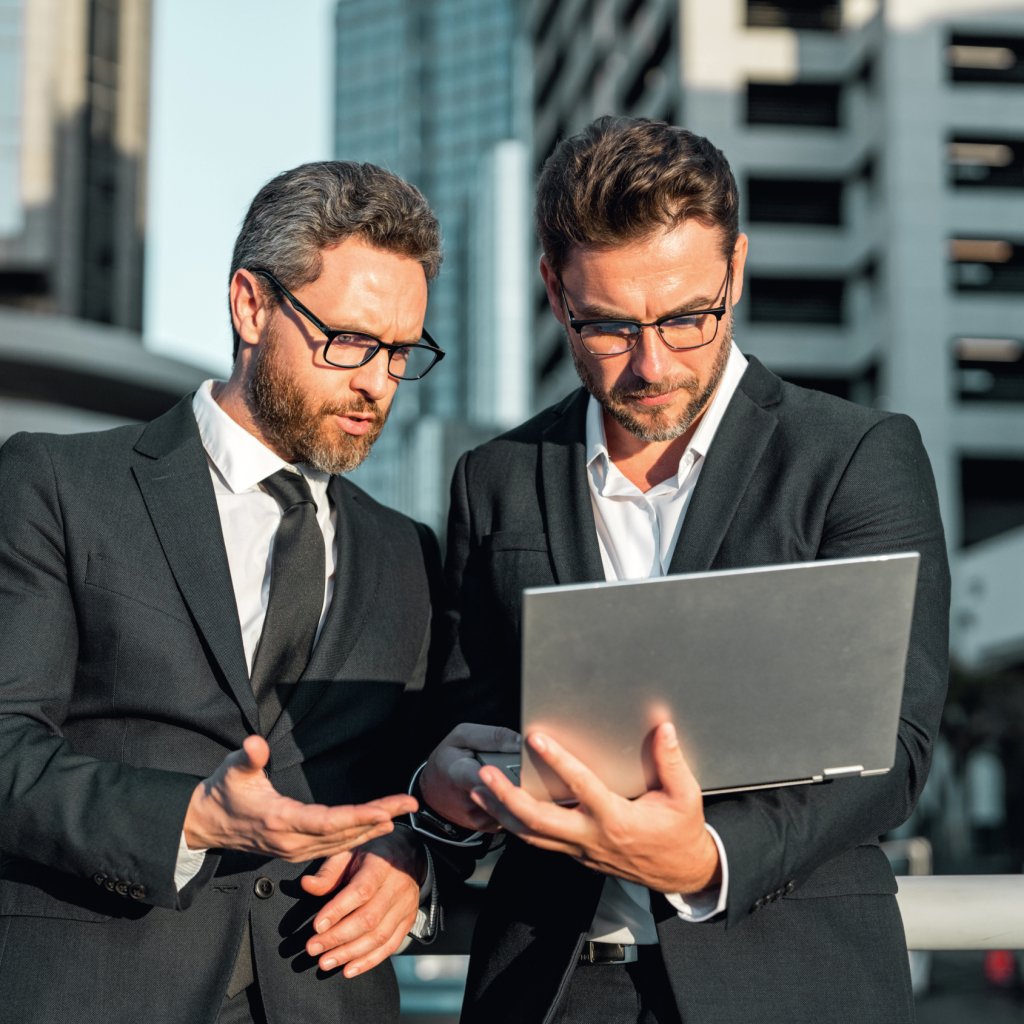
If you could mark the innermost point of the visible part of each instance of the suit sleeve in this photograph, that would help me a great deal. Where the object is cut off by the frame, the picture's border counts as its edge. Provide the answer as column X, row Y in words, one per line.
column 885, row 502
column 61, row 810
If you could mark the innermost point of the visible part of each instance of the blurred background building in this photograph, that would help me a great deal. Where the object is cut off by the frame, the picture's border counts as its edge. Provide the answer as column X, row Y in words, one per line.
column 74, row 113
column 879, row 149
column 439, row 93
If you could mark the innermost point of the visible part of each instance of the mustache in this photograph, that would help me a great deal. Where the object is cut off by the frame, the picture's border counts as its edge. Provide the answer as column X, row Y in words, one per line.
column 652, row 389
column 362, row 406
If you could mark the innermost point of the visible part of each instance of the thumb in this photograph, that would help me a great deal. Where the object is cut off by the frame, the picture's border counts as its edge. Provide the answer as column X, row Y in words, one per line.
column 328, row 875
column 255, row 755
column 674, row 774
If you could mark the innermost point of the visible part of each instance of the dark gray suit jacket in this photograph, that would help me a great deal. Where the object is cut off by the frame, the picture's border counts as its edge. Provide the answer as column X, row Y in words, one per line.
column 123, row 682
column 812, row 931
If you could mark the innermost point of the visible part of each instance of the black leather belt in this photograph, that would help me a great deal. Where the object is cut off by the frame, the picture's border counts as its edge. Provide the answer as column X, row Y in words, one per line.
column 608, row 953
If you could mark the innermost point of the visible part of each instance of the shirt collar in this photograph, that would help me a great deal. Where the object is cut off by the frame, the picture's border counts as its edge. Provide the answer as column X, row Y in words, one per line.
column 598, row 459
column 240, row 458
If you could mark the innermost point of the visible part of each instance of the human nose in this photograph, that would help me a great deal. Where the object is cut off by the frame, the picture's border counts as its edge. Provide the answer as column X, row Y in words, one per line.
column 649, row 359
column 372, row 378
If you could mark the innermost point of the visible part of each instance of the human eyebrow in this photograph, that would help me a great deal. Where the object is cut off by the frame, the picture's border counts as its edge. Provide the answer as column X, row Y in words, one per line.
column 699, row 304
column 363, row 333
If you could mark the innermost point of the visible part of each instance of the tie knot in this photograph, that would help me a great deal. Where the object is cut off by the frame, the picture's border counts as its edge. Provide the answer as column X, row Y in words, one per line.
column 288, row 489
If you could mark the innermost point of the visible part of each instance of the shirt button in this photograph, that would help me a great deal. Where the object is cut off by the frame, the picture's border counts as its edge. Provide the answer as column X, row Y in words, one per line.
column 264, row 887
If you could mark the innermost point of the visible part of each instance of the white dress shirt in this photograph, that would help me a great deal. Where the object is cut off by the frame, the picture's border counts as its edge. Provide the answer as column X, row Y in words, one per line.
column 637, row 533
column 249, row 518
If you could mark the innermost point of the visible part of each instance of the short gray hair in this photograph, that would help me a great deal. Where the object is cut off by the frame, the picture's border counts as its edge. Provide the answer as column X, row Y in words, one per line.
column 301, row 212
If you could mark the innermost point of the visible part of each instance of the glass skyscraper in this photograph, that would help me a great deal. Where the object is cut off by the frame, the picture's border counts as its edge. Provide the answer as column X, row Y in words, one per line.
column 438, row 93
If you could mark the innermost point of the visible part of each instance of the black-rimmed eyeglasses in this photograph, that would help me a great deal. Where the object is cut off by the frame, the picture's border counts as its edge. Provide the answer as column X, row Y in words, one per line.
column 348, row 350
column 608, row 336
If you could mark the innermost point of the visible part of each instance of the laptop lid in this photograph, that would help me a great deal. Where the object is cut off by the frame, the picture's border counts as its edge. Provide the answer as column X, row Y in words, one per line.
column 773, row 676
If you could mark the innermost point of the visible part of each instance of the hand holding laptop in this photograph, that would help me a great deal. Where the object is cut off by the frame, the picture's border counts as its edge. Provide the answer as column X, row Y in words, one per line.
column 453, row 771
column 657, row 840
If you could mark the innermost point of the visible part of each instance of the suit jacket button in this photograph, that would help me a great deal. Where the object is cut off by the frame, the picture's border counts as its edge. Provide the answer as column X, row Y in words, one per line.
column 790, row 886
column 137, row 891
column 758, row 903
column 264, row 887
column 110, row 884
column 99, row 878
column 121, row 888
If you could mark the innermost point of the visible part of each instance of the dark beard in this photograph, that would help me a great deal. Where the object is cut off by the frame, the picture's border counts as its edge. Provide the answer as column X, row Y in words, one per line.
column 656, row 425
column 298, row 432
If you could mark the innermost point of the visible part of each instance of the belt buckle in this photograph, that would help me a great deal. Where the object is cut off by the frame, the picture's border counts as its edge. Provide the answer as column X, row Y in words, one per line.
column 608, row 953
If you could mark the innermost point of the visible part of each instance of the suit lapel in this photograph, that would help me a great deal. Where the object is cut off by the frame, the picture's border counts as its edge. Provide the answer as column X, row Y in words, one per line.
column 740, row 441
column 565, row 496
column 174, row 478
column 357, row 577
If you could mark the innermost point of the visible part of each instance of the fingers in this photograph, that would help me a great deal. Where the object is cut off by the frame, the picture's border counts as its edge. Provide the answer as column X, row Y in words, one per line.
column 257, row 754
column 366, row 920
column 672, row 769
column 468, row 736
column 584, row 785
column 328, row 876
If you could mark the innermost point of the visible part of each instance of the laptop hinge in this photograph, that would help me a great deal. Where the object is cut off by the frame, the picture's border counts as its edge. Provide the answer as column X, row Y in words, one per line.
column 846, row 770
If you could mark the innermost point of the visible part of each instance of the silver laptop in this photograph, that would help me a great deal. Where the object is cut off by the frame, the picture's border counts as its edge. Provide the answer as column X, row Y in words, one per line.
column 773, row 676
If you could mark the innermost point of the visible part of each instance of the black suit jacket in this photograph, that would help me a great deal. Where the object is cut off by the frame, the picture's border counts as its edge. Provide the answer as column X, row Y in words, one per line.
column 812, row 931
column 123, row 682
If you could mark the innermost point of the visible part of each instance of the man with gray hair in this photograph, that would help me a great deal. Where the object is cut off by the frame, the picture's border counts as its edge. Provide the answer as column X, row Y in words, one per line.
column 211, row 647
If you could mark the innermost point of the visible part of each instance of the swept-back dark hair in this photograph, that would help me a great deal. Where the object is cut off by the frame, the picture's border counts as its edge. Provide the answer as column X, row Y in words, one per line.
column 623, row 177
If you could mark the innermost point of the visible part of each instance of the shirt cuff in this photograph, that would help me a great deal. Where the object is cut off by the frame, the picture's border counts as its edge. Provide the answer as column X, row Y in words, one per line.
column 428, row 917
column 704, row 905
column 187, row 865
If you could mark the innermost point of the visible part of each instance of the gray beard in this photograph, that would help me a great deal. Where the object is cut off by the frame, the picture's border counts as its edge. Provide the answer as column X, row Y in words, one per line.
column 295, row 429
column 656, row 426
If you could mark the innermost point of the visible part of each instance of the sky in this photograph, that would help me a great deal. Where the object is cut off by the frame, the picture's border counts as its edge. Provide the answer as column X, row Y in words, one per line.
column 240, row 91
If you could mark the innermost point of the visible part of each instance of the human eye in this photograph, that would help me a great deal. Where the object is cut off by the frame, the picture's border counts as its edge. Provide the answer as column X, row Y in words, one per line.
column 683, row 321
column 352, row 340
column 620, row 329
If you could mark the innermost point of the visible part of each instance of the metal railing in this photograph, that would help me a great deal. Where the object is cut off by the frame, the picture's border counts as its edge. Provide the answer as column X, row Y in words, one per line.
column 962, row 911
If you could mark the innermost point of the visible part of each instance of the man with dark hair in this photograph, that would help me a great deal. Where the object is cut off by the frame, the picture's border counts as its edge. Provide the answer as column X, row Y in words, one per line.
column 211, row 647
column 679, row 454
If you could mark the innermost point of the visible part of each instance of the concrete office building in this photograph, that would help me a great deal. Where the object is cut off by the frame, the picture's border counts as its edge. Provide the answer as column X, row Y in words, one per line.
column 74, row 98
column 879, row 148
column 437, row 93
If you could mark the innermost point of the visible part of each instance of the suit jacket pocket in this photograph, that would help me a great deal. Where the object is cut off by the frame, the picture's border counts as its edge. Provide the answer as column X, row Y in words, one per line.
column 129, row 581
column 515, row 540
column 863, row 870
column 50, row 894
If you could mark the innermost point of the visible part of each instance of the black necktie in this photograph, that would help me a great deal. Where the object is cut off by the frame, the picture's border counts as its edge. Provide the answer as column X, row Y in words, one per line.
column 296, row 595
column 293, row 613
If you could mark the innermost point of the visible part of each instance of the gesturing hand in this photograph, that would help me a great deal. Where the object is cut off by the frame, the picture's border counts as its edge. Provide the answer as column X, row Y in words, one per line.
column 237, row 808
column 453, row 772
column 658, row 840
column 378, row 894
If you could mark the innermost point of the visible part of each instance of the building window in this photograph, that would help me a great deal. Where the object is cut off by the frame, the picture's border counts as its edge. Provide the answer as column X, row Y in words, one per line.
column 986, row 162
column 991, row 59
column 987, row 265
column 794, row 201
column 796, row 300
column 651, row 71
column 989, row 369
column 816, row 15
column 992, row 495
column 811, row 104
column 861, row 388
